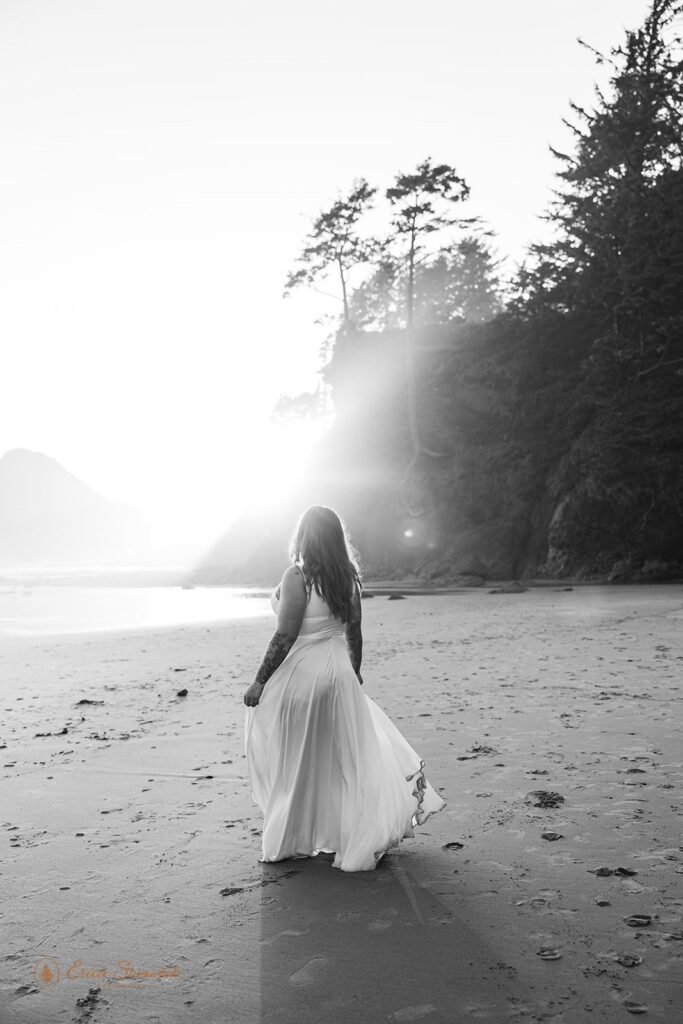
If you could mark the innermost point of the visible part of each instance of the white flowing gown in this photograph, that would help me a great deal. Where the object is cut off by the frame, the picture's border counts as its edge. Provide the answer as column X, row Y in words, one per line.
column 328, row 768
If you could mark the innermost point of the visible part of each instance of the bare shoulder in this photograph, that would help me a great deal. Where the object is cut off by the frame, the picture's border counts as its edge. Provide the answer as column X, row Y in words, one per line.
column 291, row 572
column 293, row 602
column 293, row 579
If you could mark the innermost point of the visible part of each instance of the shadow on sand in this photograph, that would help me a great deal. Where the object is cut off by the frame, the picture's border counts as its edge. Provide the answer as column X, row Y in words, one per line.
column 365, row 947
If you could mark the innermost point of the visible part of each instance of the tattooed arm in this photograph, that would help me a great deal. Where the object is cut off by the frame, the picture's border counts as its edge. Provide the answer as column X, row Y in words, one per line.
column 354, row 635
column 290, row 616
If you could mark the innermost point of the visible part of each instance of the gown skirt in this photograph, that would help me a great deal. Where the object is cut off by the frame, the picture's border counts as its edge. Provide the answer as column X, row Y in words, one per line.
column 328, row 768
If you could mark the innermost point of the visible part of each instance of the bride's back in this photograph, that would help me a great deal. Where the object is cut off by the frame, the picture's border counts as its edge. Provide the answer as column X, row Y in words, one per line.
column 317, row 606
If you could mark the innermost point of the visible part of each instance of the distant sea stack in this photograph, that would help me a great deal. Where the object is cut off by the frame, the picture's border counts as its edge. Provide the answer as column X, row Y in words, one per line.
column 48, row 515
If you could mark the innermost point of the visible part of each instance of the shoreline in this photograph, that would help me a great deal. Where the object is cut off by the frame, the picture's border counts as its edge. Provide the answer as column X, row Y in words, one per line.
column 27, row 577
column 392, row 590
column 391, row 586
column 415, row 587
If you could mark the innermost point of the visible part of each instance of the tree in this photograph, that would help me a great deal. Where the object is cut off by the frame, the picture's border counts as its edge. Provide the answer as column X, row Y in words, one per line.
column 334, row 243
column 460, row 283
column 422, row 203
column 617, row 259
column 377, row 303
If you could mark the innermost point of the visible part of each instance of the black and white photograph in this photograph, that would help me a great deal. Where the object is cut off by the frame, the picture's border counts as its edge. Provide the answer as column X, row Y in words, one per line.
column 341, row 511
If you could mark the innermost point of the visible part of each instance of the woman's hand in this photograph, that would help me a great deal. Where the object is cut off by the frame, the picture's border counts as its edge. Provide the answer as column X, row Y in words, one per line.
column 253, row 694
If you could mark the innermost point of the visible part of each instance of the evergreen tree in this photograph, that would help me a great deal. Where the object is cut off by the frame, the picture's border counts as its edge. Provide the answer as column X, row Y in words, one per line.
column 617, row 260
column 460, row 283
column 335, row 245
column 378, row 303
column 422, row 203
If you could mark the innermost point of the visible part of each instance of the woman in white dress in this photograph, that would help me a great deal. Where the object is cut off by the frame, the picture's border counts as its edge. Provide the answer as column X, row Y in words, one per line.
column 329, row 770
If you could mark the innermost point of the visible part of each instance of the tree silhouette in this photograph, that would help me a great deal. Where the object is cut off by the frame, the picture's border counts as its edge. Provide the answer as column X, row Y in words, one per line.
column 460, row 283
column 617, row 259
column 335, row 244
column 377, row 303
column 421, row 204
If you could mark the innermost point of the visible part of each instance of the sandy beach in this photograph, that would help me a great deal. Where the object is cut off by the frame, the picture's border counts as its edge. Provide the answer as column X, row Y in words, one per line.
column 550, row 888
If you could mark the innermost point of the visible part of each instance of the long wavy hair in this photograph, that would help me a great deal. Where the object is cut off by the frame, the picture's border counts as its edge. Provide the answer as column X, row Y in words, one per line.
column 321, row 547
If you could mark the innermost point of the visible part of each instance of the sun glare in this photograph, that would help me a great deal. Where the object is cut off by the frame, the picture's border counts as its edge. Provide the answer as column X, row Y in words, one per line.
column 275, row 463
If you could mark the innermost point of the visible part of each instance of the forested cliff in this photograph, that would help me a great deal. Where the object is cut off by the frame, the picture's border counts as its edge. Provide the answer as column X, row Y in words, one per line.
column 530, row 431
column 535, row 470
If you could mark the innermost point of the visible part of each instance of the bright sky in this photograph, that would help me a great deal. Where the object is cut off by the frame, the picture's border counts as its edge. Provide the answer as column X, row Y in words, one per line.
column 161, row 163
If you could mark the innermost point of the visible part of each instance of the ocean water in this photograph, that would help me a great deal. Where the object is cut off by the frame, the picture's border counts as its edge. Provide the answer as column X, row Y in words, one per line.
column 28, row 608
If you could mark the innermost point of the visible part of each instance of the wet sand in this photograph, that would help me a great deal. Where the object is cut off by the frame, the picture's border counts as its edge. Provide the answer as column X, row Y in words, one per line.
column 550, row 888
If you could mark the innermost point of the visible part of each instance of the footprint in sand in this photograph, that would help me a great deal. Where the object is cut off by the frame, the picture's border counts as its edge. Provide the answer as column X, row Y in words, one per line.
column 275, row 938
column 347, row 915
column 544, row 898
column 482, row 1011
column 385, row 921
column 308, row 974
column 549, row 953
column 633, row 1007
column 413, row 1012
column 628, row 959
